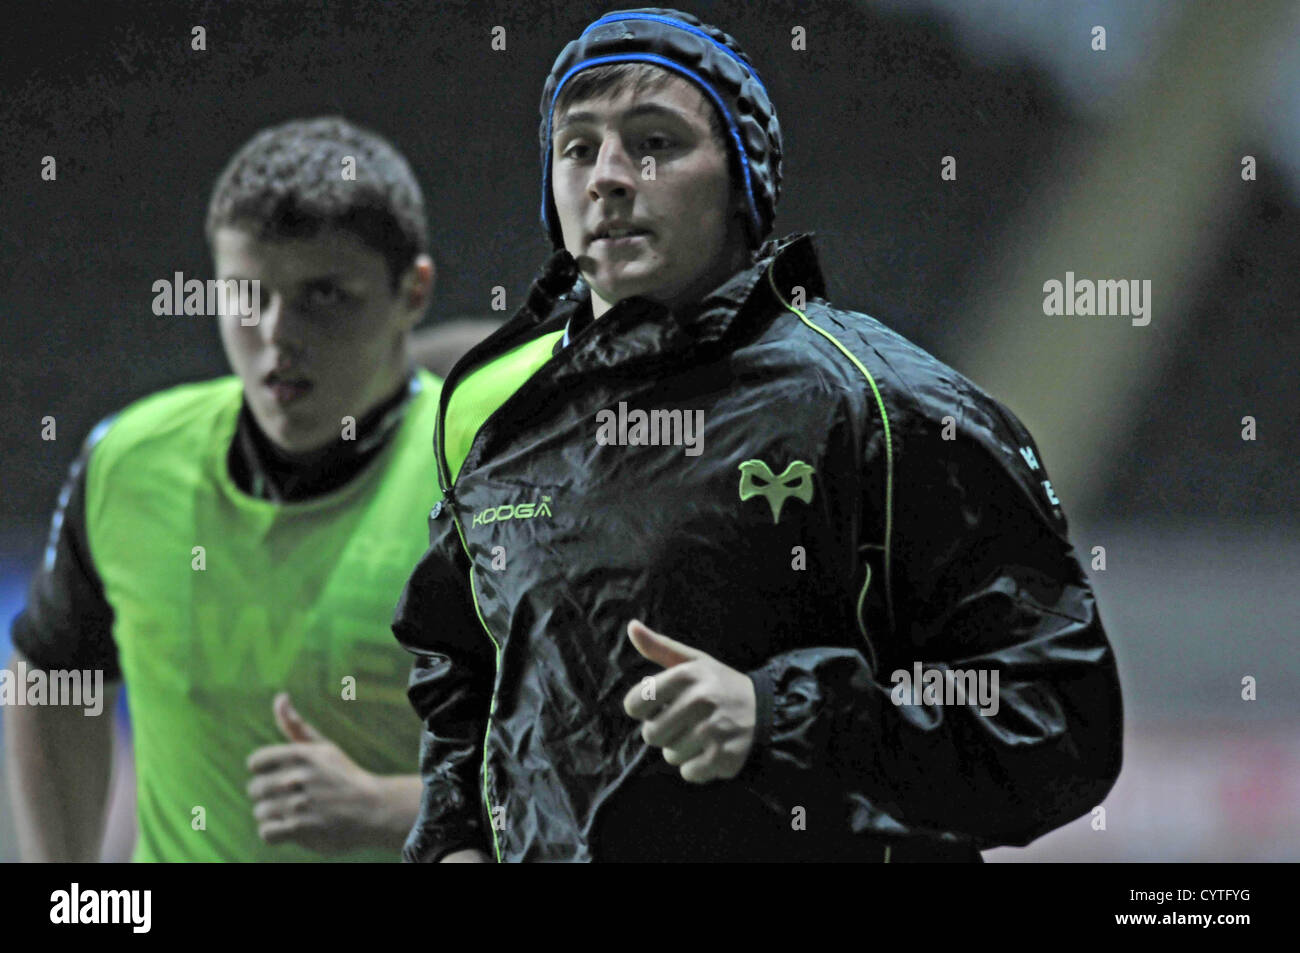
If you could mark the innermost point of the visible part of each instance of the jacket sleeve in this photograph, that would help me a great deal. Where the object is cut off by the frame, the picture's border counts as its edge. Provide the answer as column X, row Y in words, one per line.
column 984, row 581
column 451, row 689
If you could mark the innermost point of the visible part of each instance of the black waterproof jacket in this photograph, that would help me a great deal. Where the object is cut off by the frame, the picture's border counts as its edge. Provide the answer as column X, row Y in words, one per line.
column 921, row 528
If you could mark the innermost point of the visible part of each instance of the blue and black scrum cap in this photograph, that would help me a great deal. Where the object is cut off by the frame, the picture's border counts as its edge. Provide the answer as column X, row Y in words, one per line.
column 707, row 57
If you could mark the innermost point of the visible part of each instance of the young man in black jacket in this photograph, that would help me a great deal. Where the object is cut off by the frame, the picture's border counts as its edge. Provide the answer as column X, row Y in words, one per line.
column 723, row 571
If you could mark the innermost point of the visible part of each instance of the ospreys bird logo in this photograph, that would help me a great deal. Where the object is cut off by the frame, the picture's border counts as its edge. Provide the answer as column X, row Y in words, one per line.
column 757, row 479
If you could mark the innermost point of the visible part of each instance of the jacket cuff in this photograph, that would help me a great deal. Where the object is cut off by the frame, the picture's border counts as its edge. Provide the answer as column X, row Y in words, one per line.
column 452, row 847
column 423, row 847
column 764, row 698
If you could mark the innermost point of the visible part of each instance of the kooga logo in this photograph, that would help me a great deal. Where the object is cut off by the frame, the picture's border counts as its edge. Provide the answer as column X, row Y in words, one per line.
column 520, row 511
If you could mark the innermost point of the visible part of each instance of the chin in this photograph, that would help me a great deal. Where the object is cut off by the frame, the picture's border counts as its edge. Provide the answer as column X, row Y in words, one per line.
column 289, row 436
column 294, row 442
column 304, row 436
column 639, row 282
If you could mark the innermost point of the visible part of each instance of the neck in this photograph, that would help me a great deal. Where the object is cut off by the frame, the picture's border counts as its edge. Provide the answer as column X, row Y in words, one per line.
column 723, row 269
column 267, row 471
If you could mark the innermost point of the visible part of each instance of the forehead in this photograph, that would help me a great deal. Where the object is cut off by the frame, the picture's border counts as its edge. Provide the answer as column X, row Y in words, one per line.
column 329, row 251
column 675, row 96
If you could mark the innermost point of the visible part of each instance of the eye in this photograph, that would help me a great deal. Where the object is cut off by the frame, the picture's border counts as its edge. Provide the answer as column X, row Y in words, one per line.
column 663, row 142
column 568, row 153
column 325, row 294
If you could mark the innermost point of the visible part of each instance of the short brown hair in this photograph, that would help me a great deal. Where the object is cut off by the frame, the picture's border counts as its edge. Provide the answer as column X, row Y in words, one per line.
column 616, row 77
column 287, row 182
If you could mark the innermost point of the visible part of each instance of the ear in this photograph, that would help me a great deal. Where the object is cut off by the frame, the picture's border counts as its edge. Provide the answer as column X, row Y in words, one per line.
column 416, row 289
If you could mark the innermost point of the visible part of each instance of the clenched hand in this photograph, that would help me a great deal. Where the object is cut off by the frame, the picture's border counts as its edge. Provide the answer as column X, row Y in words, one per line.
column 310, row 793
column 698, row 710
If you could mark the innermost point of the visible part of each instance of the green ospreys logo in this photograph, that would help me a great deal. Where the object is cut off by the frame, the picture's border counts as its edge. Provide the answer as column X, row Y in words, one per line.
column 757, row 479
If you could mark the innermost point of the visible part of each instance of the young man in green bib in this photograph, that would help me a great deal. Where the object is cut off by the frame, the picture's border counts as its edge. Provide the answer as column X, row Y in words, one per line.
column 232, row 550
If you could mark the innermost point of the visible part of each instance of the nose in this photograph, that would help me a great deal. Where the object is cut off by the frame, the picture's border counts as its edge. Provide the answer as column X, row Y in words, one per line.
column 613, row 174
column 277, row 324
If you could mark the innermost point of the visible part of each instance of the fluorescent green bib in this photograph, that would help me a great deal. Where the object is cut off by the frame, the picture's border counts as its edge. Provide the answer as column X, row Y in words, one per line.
column 480, row 392
column 281, row 597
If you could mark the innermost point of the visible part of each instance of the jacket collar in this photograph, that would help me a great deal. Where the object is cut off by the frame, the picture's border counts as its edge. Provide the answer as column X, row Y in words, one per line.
column 792, row 260
column 638, row 329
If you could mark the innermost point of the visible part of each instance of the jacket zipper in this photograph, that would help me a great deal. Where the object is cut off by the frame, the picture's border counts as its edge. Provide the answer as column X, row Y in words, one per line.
column 438, row 510
column 448, row 501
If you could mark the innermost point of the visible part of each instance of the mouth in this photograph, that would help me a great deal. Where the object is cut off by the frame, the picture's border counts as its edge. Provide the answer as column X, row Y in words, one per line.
column 615, row 236
column 287, row 387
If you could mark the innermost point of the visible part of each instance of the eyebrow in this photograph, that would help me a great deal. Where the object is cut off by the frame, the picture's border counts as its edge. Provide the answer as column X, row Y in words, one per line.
column 644, row 109
column 334, row 276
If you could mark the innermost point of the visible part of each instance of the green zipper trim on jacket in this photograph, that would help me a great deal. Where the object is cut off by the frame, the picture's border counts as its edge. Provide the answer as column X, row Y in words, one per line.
column 889, row 458
column 446, row 486
column 861, row 625
column 440, row 458
column 496, row 846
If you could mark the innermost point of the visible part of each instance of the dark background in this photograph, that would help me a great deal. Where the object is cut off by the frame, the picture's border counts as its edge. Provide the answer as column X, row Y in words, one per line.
column 1144, row 447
